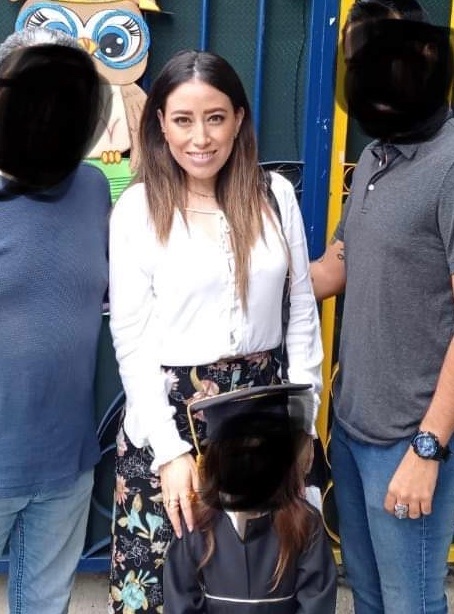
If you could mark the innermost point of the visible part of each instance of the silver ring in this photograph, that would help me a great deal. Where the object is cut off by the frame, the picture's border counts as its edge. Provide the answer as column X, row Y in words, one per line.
column 401, row 510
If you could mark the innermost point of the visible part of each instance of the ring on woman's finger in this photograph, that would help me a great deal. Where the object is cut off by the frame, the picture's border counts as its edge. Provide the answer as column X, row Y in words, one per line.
column 401, row 510
column 191, row 496
column 172, row 503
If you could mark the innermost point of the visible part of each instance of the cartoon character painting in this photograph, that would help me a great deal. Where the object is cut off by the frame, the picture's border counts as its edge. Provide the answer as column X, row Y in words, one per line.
column 116, row 34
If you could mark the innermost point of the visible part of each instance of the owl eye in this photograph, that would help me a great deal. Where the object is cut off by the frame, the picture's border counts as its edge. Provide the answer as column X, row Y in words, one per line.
column 122, row 37
column 47, row 15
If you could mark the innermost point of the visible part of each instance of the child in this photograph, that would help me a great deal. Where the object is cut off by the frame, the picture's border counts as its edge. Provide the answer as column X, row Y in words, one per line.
column 258, row 545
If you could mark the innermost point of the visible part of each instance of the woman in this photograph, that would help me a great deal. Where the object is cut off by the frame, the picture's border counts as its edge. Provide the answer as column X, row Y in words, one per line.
column 198, row 264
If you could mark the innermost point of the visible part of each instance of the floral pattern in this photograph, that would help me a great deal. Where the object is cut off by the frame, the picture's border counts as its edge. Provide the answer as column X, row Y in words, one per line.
column 141, row 529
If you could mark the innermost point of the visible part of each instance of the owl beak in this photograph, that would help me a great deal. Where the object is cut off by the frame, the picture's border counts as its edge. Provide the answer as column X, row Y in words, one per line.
column 88, row 44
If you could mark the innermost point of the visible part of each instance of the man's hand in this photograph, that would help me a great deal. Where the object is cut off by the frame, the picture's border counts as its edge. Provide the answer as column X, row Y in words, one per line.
column 413, row 483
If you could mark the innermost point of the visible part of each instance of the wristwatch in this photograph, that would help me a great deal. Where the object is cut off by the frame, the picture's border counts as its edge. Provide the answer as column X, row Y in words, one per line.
column 427, row 446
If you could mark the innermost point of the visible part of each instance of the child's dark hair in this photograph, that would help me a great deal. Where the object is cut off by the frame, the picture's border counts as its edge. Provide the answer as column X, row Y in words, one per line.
column 275, row 481
column 247, row 461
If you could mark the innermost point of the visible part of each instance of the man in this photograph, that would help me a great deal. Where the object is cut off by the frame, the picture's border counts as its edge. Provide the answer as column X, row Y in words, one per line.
column 393, row 256
column 53, row 276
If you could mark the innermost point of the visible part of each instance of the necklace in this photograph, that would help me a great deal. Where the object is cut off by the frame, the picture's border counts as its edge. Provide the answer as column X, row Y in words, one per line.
column 201, row 194
column 207, row 211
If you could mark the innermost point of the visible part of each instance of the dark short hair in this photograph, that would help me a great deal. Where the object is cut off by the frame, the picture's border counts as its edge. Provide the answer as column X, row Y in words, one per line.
column 399, row 69
column 50, row 103
column 373, row 10
column 406, row 9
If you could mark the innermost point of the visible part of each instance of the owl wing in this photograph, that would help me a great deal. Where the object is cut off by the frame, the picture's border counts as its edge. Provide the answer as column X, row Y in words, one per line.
column 134, row 100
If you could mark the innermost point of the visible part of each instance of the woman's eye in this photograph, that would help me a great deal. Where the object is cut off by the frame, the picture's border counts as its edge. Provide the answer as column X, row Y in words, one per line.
column 182, row 121
column 216, row 119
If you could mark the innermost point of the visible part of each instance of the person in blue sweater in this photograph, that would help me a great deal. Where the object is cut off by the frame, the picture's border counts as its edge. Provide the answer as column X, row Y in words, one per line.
column 53, row 277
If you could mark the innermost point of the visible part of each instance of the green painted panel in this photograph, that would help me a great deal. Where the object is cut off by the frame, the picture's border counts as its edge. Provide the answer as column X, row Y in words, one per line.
column 232, row 27
column 8, row 12
column 170, row 33
column 283, row 94
column 439, row 11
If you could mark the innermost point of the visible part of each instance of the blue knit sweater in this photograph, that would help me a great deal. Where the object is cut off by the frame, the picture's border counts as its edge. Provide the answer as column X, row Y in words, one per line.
column 53, row 275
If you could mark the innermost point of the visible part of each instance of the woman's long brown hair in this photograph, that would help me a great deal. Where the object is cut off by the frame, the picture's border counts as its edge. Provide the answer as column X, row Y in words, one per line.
column 240, row 187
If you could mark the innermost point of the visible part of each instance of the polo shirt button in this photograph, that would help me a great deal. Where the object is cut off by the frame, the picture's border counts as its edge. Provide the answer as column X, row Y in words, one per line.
column 371, row 187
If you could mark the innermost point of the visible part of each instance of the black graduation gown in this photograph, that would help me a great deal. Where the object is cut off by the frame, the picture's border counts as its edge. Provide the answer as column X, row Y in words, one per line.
column 238, row 577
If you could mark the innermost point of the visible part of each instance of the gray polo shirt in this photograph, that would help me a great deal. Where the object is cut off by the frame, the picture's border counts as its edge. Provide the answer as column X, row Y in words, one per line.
column 398, row 318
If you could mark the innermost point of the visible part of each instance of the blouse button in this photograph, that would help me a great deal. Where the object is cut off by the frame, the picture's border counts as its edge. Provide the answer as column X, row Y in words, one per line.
column 371, row 187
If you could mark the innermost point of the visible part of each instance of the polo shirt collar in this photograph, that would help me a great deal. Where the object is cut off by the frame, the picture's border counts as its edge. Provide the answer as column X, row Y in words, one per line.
column 408, row 150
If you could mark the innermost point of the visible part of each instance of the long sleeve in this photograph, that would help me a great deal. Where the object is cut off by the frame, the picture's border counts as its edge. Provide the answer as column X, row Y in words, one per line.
column 316, row 581
column 135, row 330
column 161, row 311
column 304, row 346
column 182, row 591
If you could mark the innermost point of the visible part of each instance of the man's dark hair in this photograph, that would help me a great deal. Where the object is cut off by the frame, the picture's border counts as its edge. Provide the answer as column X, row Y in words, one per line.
column 50, row 103
column 382, row 9
column 399, row 70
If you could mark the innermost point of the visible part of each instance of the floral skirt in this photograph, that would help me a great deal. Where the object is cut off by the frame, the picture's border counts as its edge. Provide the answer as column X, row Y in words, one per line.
column 141, row 529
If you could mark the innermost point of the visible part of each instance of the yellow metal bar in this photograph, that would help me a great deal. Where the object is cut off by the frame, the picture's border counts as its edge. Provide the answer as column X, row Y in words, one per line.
column 336, row 188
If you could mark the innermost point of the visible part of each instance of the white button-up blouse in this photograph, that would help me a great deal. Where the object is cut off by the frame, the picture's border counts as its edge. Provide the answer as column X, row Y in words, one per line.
column 176, row 305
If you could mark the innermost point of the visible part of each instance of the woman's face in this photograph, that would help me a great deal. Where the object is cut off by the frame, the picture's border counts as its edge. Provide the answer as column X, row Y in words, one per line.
column 200, row 125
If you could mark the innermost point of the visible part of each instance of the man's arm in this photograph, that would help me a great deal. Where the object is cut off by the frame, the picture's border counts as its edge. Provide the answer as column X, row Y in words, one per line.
column 439, row 418
column 415, row 479
column 328, row 272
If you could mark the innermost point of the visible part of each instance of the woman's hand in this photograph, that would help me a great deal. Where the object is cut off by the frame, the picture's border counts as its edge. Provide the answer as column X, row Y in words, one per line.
column 179, row 483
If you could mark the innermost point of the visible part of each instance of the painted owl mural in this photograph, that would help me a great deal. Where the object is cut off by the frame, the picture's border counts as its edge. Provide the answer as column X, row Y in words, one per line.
column 116, row 34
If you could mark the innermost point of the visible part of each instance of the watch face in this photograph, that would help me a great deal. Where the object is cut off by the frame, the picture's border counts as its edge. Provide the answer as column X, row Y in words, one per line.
column 426, row 445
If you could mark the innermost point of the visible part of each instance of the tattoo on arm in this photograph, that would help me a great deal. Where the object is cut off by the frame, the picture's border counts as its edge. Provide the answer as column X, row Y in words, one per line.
column 340, row 254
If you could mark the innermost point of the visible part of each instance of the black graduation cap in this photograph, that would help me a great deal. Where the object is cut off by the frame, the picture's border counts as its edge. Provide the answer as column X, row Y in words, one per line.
column 294, row 401
column 251, row 443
